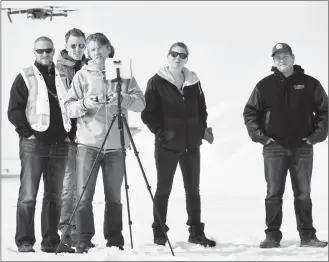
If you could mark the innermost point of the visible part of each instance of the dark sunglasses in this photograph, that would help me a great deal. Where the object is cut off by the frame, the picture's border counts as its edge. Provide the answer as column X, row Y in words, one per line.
column 47, row 50
column 175, row 54
column 81, row 46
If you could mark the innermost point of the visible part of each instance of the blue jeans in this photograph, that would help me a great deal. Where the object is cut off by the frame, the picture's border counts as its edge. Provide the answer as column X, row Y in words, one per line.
column 37, row 158
column 299, row 161
column 69, row 189
column 112, row 169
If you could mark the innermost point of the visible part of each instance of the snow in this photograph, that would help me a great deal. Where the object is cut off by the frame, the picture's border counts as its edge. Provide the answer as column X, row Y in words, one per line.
column 232, row 193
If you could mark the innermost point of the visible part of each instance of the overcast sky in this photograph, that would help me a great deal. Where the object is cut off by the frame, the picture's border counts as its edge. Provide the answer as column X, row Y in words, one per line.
column 230, row 42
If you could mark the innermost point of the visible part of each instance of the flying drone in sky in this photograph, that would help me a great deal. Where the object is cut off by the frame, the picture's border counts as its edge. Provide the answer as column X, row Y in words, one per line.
column 40, row 13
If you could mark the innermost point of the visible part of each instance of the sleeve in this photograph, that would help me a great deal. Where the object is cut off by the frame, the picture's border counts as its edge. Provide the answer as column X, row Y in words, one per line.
column 252, row 118
column 134, row 99
column 152, row 115
column 320, row 108
column 17, row 106
column 74, row 105
column 203, row 115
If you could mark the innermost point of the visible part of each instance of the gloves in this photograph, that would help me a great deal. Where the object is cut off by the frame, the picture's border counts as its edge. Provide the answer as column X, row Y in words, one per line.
column 208, row 135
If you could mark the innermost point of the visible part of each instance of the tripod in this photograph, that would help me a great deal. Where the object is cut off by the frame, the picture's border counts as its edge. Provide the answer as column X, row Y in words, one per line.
column 122, row 121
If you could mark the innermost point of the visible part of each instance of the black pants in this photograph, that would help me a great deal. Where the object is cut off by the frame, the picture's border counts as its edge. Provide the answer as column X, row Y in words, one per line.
column 37, row 158
column 166, row 164
column 299, row 161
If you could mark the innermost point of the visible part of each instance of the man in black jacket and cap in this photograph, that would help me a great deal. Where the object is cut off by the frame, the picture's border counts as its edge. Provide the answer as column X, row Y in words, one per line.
column 287, row 112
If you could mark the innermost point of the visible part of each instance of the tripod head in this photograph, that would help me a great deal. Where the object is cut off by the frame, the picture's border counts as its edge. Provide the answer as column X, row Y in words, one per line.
column 118, row 79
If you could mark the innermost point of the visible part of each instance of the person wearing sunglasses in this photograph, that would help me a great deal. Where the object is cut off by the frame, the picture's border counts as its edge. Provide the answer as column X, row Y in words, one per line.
column 93, row 101
column 69, row 61
column 176, row 113
column 287, row 112
column 36, row 109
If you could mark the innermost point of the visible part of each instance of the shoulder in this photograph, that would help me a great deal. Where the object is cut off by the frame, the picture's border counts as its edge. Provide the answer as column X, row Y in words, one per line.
column 310, row 79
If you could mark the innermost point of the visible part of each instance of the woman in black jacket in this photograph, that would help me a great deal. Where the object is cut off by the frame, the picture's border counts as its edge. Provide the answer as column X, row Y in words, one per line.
column 176, row 113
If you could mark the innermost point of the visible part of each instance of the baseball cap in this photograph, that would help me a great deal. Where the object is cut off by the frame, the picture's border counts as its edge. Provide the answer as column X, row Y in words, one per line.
column 282, row 47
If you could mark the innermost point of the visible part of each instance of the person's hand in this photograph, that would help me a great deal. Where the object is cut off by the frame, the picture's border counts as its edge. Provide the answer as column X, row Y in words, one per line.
column 31, row 137
column 91, row 102
column 307, row 141
column 269, row 141
column 113, row 98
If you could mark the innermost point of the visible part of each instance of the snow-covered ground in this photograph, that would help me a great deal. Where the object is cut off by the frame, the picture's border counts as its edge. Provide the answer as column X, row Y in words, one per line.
column 232, row 191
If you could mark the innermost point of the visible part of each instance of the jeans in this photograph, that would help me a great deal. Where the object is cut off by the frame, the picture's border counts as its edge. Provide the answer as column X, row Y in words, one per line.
column 299, row 161
column 68, row 194
column 112, row 169
column 37, row 158
column 166, row 163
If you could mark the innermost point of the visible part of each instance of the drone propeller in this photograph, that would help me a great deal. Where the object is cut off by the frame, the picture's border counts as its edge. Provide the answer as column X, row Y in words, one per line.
column 52, row 6
column 8, row 13
column 69, row 10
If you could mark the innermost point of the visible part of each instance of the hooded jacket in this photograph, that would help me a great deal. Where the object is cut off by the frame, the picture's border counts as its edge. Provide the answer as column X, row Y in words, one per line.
column 178, row 118
column 68, row 68
column 287, row 109
column 93, row 124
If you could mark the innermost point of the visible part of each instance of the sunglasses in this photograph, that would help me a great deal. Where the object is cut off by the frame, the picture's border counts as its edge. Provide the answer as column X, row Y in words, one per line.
column 81, row 46
column 41, row 51
column 175, row 54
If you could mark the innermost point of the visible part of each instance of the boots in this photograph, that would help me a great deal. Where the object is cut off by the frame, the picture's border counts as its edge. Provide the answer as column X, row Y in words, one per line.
column 198, row 237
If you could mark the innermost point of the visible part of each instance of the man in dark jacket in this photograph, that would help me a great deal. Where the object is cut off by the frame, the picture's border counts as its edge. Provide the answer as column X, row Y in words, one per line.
column 287, row 112
column 37, row 111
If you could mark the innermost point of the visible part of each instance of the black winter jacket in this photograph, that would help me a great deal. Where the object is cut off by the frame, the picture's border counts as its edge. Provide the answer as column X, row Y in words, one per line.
column 287, row 109
column 177, row 118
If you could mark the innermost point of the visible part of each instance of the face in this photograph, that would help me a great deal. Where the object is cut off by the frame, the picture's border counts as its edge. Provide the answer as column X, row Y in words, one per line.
column 98, row 53
column 177, row 62
column 44, row 52
column 284, row 61
column 75, row 47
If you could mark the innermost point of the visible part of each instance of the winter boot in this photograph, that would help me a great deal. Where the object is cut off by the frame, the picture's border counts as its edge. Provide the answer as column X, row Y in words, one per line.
column 313, row 242
column 82, row 247
column 197, row 236
column 269, row 243
column 26, row 248
column 161, row 241
column 120, row 247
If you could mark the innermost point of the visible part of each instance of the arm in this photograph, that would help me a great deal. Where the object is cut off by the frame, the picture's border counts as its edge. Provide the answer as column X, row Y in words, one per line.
column 203, row 115
column 251, row 115
column 17, row 106
column 75, row 106
column 152, row 115
column 133, row 99
column 320, row 105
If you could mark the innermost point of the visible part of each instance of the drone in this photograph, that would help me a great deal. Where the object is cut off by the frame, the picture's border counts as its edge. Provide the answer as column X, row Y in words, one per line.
column 40, row 13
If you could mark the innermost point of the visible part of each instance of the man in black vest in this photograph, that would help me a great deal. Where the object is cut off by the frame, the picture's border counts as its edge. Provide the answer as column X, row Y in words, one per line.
column 287, row 112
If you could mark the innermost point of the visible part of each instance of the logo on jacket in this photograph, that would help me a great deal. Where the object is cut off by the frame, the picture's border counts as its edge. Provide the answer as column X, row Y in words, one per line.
column 299, row 87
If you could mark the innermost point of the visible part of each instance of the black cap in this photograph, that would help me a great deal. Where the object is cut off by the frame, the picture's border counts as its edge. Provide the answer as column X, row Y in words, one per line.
column 282, row 47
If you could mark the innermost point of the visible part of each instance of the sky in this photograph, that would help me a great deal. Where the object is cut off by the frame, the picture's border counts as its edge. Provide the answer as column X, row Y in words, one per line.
column 230, row 43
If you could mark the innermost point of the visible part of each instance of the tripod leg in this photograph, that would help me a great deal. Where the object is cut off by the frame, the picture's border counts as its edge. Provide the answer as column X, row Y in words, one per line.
column 125, row 175
column 85, row 186
column 148, row 186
